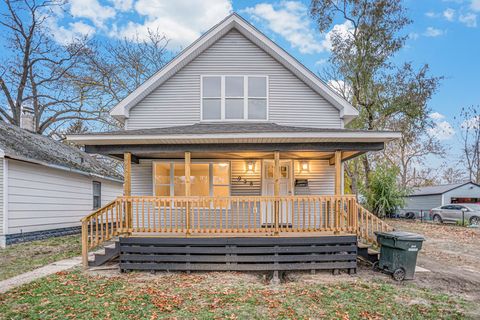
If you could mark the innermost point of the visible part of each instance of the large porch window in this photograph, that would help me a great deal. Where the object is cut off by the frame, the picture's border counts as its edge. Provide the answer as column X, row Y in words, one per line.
column 207, row 179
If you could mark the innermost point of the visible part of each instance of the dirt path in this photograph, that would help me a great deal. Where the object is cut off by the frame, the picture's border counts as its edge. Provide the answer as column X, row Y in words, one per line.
column 451, row 253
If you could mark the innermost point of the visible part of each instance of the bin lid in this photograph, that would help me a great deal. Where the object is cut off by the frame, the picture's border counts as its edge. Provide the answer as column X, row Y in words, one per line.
column 401, row 235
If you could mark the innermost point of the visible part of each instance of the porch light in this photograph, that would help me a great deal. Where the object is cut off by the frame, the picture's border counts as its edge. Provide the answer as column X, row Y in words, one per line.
column 304, row 166
column 223, row 164
column 250, row 166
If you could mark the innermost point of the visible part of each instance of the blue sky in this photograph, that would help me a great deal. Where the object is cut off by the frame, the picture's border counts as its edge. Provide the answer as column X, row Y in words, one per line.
column 445, row 34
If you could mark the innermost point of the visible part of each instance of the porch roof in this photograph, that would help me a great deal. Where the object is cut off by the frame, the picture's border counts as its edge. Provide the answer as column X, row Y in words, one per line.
column 208, row 133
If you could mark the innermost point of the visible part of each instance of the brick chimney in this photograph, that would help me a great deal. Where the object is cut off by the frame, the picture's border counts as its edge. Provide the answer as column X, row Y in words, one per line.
column 27, row 119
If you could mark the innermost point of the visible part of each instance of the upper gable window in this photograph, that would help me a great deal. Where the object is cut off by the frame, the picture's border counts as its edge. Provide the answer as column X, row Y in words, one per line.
column 234, row 98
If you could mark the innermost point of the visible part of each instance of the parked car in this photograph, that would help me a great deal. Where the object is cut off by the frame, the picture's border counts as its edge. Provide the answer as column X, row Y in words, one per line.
column 456, row 212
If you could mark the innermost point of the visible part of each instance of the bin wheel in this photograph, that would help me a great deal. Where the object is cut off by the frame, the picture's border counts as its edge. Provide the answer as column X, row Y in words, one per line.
column 398, row 274
column 375, row 266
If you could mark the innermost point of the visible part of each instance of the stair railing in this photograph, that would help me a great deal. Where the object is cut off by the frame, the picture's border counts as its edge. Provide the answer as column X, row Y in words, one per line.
column 102, row 225
column 368, row 224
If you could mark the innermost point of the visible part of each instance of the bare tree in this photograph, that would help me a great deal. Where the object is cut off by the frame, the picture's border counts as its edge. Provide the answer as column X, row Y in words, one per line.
column 39, row 72
column 470, row 136
column 453, row 175
column 114, row 69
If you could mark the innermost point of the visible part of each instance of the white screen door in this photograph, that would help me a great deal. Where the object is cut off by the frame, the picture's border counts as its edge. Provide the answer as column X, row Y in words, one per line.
column 268, row 186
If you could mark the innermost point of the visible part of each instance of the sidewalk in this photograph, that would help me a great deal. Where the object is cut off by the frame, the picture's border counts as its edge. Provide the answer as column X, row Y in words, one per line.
column 44, row 271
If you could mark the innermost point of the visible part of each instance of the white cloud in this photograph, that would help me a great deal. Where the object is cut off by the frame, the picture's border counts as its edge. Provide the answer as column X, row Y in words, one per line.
column 92, row 10
column 449, row 14
column 472, row 123
column 431, row 14
column 290, row 20
column 468, row 19
column 413, row 36
column 343, row 31
column 436, row 116
column 342, row 88
column 441, row 129
column 475, row 5
column 320, row 62
column 67, row 34
column 182, row 21
column 433, row 32
column 122, row 5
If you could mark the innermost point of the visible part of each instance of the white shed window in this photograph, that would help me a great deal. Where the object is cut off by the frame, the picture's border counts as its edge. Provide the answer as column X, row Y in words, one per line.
column 234, row 98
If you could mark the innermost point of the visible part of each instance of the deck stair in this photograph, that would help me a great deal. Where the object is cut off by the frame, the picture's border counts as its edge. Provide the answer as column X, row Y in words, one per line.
column 366, row 253
column 111, row 252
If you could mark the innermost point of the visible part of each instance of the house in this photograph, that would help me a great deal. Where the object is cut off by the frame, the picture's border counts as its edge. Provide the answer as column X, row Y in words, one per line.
column 426, row 198
column 233, row 147
column 47, row 186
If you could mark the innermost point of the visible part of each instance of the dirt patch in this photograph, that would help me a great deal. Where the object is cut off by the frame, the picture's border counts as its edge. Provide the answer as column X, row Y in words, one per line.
column 452, row 253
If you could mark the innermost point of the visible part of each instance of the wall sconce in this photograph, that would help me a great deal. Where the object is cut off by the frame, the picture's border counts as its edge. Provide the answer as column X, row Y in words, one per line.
column 304, row 166
column 250, row 166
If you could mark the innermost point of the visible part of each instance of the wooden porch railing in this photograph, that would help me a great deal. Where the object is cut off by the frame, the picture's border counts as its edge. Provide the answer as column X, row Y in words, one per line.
column 368, row 224
column 203, row 216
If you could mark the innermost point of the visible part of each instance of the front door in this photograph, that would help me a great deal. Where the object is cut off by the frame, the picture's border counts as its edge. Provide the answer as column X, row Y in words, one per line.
column 268, row 187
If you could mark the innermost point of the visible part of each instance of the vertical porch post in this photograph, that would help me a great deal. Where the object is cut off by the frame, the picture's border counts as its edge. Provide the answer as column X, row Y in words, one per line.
column 127, row 188
column 276, row 189
column 338, row 173
column 188, row 187
column 338, row 189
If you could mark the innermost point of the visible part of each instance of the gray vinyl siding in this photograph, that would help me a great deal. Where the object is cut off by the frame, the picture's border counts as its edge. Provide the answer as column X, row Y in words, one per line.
column 1, row 196
column 42, row 198
column 423, row 202
column 177, row 101
column 245, row 183
column 142, row 180
column 467, row 191
column 321, row 178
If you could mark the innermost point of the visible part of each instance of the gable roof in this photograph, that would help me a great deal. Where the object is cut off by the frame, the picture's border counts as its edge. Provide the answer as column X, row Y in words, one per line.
column 234, row 21
column 20, row 144
column 439, row 189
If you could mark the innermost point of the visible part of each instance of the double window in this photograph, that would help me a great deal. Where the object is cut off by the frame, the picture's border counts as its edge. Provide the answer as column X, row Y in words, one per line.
column 234, row 98
column 207, row 179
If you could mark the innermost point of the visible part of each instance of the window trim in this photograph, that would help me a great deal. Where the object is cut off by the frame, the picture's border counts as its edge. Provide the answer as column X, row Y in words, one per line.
column 223, row 97
column 210, row 163
column 99, row 196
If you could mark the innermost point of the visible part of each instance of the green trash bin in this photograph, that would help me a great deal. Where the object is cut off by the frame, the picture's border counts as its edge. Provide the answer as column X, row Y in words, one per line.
column 398, row 253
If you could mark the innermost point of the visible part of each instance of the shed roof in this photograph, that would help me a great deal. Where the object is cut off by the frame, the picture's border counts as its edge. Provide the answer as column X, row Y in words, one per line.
column 20, row 144
column 439, row 189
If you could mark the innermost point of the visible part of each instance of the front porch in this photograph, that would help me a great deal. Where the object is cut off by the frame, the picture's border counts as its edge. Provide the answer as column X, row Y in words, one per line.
column 248, row 185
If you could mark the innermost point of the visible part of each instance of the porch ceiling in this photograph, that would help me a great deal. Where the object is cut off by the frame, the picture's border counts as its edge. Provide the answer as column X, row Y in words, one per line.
column 237, row 151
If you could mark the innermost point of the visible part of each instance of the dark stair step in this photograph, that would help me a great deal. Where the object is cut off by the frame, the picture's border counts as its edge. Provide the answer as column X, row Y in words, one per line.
column 365, row 252
column 111, row 252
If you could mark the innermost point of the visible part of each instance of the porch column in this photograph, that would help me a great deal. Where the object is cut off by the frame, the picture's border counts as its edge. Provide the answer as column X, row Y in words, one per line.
column 338, row 172
column 187, row 174
column 127, row 189
column 188, row 192
column 127, row 175
column 276, row 189
column 338, row 189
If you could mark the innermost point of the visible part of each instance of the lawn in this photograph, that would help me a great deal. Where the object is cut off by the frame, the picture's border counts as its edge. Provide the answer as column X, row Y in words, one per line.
column 23, row 257
column 221, row 295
